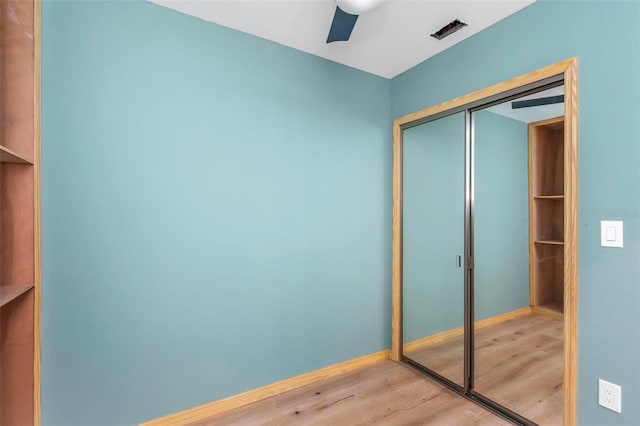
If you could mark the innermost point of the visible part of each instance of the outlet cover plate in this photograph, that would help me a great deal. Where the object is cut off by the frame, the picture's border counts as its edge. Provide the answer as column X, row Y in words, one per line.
column 610, row 395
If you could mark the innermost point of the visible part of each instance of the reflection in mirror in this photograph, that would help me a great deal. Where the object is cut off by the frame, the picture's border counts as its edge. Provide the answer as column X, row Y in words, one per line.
column 518, row 251
column 433, row 243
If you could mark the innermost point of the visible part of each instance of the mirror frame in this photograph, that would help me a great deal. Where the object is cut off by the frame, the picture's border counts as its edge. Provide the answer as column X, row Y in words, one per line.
column 568, row 69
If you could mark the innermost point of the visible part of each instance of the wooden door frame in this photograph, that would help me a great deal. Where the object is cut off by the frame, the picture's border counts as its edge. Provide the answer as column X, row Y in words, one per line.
column 37, row 244
column 569, row 71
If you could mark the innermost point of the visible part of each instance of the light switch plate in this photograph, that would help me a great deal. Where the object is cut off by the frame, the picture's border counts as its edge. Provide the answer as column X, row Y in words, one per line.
column 611, row 233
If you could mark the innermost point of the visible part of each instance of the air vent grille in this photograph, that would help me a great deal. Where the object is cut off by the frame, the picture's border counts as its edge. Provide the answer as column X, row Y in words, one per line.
column 449, row 29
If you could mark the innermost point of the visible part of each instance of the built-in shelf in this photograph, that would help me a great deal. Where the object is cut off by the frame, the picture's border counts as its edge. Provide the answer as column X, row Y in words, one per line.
column 8, row 156
column 556, row 243
column 11, row 292
column 549, row 197
column 20, row 215
column 546, row 213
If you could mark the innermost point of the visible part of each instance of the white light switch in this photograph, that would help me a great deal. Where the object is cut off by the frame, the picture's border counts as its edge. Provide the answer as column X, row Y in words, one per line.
column 611, row 233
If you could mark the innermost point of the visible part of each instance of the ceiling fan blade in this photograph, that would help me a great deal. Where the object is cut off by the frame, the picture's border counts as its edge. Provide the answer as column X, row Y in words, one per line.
column 341, row 26
column 537, row 102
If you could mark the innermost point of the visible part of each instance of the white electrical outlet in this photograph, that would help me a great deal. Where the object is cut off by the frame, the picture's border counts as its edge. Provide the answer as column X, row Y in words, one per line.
column 610, row 395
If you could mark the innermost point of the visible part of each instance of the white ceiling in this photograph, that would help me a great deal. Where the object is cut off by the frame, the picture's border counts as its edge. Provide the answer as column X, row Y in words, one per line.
column 386, row 41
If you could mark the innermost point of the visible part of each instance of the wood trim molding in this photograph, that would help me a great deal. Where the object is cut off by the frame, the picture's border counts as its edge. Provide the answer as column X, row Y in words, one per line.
column 459, row 331
column 570, row 242
column 568, row 68
column 37, row 304
column 531, row 154
column 254, row 395
column 396, row 263
column 552, row 120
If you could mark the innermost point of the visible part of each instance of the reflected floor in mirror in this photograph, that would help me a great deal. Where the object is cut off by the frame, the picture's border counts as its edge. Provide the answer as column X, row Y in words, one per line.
column 441, row 353
column 518, row 363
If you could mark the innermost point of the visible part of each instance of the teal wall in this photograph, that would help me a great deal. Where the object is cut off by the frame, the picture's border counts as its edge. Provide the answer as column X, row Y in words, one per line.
column 159, row 294
column 216, row 212
column 605, row 36
column 500, row 214
column 433, row 227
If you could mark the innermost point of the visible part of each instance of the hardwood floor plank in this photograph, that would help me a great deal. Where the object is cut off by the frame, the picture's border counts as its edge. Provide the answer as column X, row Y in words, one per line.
column 389, row 393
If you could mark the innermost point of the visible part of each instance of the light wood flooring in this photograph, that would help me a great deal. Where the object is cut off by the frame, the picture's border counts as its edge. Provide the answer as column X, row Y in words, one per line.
column 388, row 393
column 518, row 363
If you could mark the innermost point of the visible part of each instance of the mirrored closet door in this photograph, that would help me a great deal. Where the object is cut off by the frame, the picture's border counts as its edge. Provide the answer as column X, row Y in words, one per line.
column 518, row 251
column 485, row 237
column 433, row 245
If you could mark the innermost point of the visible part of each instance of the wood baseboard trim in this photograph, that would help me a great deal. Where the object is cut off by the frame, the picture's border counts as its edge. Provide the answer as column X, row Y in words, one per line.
column 423, row 342
column 220, row 406
column 447, row 334
column 547, row 313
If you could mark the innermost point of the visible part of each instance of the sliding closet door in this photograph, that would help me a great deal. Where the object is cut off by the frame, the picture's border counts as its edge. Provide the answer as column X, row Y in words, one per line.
column 518, row 346
column 433, row 246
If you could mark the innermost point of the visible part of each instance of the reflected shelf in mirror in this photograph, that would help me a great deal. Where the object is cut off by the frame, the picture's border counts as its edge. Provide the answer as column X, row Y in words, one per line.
column 558, row 243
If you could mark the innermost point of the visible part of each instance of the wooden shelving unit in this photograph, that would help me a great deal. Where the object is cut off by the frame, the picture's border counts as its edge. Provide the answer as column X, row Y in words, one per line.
column 8, row 156
column 549, row 197
column 19, row 212
column 10, row 292
column 546, row 212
